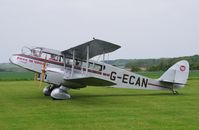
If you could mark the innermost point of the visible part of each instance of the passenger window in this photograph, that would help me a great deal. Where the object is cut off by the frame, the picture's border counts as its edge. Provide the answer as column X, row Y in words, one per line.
column 90, row 65
column 61, row 59
column 98, row 67
column 36, row 52
column 53, row 57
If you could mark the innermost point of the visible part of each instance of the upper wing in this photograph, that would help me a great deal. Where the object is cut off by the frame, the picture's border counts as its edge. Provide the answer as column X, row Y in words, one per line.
column 96, row 47
column 87, row 81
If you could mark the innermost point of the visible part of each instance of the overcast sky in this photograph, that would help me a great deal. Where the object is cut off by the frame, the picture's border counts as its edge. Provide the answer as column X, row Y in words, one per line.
column 144, row 28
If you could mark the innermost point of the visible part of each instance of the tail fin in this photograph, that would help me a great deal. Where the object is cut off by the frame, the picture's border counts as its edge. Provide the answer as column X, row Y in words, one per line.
column 178, row 73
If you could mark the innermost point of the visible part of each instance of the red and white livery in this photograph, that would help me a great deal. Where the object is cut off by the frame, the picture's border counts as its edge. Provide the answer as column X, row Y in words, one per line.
column 74, row 69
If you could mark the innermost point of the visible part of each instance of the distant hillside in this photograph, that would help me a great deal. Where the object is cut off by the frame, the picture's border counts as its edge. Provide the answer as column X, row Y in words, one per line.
column 8, row 67
column 126, row 63
column 119, row 62
column 154, row 64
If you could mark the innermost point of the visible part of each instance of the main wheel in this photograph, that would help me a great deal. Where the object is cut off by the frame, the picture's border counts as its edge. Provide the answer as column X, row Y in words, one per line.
column 59, row 94
column 48, row 89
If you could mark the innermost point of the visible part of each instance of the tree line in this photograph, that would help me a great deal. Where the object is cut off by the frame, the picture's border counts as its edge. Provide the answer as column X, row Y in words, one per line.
column 161, row 64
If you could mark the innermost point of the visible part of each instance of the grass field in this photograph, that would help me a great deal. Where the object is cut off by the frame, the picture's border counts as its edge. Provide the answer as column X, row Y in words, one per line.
column 23, row 107
column 21, row 76
column 16, row 76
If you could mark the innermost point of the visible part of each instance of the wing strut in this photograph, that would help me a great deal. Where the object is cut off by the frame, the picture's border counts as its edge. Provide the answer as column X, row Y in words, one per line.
column 64, row 59
column 87, row 58
column 103, row 63
column 73, row 64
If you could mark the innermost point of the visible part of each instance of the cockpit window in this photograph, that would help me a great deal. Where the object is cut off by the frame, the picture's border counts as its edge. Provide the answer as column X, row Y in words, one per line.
column 37, row 52
column 26, row 51
column 31, row 51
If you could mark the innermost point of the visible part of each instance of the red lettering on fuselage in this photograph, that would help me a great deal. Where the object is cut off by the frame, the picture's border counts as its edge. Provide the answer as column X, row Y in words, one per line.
column 22, row 59
column 37, row 62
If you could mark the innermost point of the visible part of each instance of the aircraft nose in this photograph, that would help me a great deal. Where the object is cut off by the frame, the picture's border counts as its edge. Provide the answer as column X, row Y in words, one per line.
column 11, row 59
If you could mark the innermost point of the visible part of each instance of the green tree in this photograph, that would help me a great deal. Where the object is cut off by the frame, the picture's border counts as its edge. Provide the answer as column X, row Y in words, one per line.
column 135, row 69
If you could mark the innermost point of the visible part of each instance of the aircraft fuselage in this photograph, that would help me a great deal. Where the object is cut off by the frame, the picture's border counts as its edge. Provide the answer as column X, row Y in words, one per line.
column 122, row 78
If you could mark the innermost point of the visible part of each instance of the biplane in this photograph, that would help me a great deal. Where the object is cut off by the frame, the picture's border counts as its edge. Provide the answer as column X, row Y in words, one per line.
column 74, row 69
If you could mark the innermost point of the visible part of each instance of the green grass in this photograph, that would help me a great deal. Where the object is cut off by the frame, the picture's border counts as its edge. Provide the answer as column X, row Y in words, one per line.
column 13, row 76
column 23, row 107
column 194, row 75
column 21, row 76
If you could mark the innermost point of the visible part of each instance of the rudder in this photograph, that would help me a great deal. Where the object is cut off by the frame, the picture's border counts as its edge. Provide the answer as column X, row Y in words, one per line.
column 178, row 73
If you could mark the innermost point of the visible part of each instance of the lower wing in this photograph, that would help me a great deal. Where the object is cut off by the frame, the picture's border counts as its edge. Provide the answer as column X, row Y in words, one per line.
column 86, row 81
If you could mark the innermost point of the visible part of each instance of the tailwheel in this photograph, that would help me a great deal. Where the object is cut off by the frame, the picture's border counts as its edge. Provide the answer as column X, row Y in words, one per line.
column 175, row 92
column 60, row 93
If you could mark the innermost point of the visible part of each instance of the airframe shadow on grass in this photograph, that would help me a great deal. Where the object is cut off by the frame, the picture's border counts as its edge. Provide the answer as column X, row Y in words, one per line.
column 124, row 95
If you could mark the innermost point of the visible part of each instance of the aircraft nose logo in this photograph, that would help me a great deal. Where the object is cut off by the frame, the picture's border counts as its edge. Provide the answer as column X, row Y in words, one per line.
column 182, row 68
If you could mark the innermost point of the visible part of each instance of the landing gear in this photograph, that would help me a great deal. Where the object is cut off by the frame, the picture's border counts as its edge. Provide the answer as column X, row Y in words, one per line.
column 174, row 91
column 48, row 89
column 60, row 93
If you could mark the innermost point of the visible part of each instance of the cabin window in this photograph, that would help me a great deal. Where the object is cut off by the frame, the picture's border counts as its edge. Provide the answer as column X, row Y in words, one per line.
column 90, row 65
column 77, row 63
column 96, row 67
column 36, row 52
column 61, row 59
column 53, row 57
column 104, row 67
column 45, row 56
column 69, row 61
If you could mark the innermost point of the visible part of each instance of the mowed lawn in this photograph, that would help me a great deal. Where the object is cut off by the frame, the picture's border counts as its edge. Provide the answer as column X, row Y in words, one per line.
column 16, row 76
column 23, row 107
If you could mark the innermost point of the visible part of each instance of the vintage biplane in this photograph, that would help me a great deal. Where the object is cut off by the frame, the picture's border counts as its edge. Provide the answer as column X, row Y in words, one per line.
column 74, row 69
